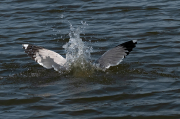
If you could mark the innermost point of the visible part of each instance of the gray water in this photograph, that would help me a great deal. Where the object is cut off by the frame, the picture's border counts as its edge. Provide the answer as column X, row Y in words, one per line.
column 144, row 85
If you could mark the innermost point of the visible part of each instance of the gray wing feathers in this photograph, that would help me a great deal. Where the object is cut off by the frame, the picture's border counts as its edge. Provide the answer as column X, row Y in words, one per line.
column 115, row 55
column 112, row 57
column 44, row 57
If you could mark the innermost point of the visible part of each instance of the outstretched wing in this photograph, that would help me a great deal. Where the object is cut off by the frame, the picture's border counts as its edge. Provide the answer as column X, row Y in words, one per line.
column 46, row 58
column 115, row 55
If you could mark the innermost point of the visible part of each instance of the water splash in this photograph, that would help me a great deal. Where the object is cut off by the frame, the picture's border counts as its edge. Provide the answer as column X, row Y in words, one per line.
column 77, row 53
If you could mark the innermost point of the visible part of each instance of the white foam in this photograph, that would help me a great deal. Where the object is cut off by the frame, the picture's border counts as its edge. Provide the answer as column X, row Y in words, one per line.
column 76, row 50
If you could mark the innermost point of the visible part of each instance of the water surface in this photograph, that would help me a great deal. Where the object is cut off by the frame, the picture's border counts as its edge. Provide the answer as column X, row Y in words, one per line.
column 144, row 85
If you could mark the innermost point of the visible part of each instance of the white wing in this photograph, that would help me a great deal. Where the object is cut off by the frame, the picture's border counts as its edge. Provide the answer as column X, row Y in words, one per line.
column 115, row 55
column 46, row 58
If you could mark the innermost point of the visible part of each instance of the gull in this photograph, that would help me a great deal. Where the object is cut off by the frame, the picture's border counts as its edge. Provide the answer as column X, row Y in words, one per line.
column 50, row 59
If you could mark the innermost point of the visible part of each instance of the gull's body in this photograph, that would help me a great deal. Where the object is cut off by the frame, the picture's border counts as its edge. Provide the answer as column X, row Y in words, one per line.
column 50, row 59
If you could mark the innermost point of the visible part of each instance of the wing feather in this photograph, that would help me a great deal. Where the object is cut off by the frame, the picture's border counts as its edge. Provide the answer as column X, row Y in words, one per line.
column 115, row 55
column 46, row 58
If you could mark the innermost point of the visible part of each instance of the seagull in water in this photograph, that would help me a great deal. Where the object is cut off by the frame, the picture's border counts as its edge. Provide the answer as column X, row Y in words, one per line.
column 50, row 59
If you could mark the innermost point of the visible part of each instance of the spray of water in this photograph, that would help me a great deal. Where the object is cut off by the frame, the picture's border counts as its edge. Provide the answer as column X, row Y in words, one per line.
column 77, row 53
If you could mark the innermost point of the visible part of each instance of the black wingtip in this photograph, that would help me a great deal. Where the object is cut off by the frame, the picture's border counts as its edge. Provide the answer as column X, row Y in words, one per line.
column 129, row 45
column 31, row 50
